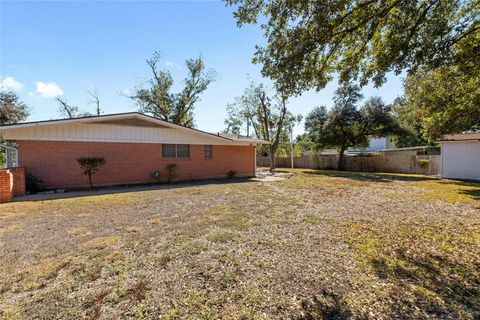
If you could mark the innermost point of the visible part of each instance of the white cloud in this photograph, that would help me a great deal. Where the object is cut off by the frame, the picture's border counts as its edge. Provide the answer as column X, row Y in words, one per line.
column 127, row 92
column 11, row 84
column 49, row 89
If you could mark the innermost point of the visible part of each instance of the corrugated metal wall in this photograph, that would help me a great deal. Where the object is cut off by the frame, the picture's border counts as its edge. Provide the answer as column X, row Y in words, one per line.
column 461, row 160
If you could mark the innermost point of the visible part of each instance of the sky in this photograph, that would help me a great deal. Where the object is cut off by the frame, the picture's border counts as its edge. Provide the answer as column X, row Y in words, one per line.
column 66, row 48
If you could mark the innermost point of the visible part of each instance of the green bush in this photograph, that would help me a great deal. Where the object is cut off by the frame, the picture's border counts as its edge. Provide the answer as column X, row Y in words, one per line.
column 33, row 184
column 90, row 166
column 423, row 163
column 171, row 171
column 231, row 174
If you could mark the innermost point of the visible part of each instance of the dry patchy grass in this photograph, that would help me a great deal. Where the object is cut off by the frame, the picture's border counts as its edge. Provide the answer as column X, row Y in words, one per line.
column 320, row 245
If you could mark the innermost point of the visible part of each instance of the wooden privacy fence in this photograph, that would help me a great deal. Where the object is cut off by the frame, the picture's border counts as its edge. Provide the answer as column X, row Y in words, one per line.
column 429, row 165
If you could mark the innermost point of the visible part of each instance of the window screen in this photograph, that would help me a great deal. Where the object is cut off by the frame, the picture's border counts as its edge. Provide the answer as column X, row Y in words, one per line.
column 208, row 152
column 169, row 151
column 183, row 151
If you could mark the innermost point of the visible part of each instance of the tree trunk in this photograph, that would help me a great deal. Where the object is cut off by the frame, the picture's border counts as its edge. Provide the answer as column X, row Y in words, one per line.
column 341, row 159
column 271, row 157
column 90, row 181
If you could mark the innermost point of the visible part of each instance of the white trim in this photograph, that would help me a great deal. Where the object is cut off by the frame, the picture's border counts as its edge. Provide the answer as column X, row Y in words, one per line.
column 226, row 143
column 458, row 141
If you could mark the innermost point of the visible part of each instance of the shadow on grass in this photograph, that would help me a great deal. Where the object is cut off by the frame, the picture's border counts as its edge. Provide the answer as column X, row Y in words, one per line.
column 472, row 188
column 433, row 285
column 370, row 176
column 124, row 189
column 473, row 193
column 327, row 305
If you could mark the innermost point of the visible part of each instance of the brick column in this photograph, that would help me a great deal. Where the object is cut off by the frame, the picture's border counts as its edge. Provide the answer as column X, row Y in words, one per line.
column 18, row 181
column 5, row 186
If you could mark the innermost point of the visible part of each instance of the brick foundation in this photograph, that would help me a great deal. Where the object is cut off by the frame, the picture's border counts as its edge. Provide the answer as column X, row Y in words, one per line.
column 54, row 162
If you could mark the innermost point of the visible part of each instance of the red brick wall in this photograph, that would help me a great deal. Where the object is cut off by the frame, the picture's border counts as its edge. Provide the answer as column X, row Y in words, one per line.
column 12, row 183
column 18, row 175
column 5, row 186
column 55, row 162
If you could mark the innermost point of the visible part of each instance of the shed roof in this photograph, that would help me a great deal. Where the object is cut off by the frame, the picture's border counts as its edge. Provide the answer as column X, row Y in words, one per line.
column 471, row 136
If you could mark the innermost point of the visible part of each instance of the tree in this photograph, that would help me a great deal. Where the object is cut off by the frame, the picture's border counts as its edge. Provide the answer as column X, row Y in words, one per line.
column 346, row 126
column 12, row 109
column 445, row 100
column 69, row 111
column 90, row 166
column 411, row 135
column 96, row 101
column 310, row 41
column 177, row 108
column 267, row 116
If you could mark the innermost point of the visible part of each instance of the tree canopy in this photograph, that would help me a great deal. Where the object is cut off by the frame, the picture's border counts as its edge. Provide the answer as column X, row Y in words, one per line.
column 12, row 109
column 156, row 98
column 446, row 99
column 90, row 166
column 310, row 41
column 347, row 126
column 412, row 135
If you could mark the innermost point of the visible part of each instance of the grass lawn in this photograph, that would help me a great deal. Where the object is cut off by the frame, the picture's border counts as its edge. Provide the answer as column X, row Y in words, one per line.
column 321, row 245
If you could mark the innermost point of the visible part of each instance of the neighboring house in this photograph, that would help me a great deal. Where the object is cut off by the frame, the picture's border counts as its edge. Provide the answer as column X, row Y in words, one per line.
column 461, row 156
column 376, row 144
column 135, row 146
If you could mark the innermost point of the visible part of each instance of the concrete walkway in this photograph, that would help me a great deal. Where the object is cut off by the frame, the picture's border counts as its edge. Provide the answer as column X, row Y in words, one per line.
column 261, row 176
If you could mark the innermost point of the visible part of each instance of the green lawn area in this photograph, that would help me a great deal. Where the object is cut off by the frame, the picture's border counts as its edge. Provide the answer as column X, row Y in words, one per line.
column 320, row 245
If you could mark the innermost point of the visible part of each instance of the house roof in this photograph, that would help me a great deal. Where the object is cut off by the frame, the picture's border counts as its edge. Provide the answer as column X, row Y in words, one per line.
column 131, row 119
column 239, row 137
column 471, row 136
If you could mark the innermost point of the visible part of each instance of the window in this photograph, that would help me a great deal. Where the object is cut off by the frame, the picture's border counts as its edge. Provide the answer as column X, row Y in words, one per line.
column 208, row 151
column 176, row 151
column 183, row 151
column 169, row 151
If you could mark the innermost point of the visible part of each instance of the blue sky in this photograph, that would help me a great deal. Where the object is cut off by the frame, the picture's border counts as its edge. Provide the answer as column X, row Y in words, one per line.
column 69, row 47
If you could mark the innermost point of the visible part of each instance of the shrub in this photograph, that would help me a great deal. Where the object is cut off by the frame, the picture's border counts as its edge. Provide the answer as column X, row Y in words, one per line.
column 423, row 163
column 171, row 172
column 33, row 184
column 90, row 166
column 231, row 174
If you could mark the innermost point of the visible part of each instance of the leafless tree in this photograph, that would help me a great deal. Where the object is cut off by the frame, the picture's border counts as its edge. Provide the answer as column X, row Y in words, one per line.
column 95, row 100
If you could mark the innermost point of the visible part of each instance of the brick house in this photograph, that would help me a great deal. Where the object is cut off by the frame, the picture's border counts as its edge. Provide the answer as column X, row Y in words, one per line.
column 136, row 148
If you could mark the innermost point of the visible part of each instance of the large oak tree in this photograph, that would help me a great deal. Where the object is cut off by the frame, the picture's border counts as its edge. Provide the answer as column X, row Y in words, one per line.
column 347, row 125
column 309, row 41
column 445, row 99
